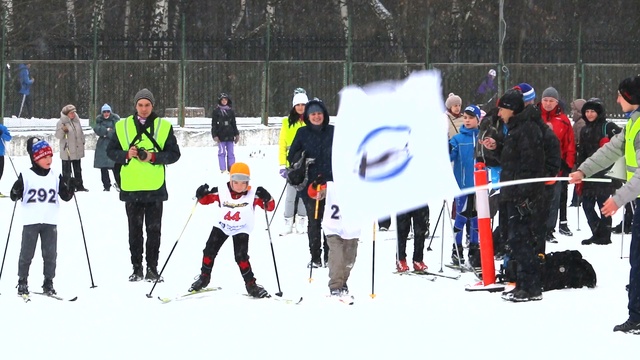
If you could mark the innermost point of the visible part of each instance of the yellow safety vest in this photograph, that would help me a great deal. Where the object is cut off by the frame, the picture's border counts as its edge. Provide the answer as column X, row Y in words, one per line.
column 137, row 175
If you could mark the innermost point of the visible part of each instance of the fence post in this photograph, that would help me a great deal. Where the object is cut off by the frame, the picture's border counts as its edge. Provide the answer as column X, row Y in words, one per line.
column 93, row 74
column 579, row 66
column 3, row 63
column 427, row 65
column 183, row 72
column 265, row 76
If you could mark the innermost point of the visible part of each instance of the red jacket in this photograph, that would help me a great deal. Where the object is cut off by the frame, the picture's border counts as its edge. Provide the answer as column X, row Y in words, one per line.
column 561, row 126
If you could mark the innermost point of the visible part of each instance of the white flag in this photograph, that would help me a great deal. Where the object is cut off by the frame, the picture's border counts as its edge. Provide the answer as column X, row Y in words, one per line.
column 390, row 148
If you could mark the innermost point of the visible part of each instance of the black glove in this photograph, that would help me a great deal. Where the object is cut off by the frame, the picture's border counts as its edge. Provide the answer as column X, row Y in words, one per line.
column 70, row 183
column 202, row 191
column 17, row 190
column 525, row 208
column 263, row 194
column 319, row 181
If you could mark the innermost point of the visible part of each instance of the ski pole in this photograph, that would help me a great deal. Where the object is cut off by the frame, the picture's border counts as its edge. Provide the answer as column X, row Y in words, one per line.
column 277, row 205
column 84, row 238
column 315, row 218
column 10, row 160
column 8, row 236
column 435, row 228
column 172, row 249
column 273, row 254
column 373, row 262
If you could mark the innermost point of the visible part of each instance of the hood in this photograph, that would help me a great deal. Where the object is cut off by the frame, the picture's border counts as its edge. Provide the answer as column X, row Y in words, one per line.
column 467, row 131
column 593, row 104
column 324, row 111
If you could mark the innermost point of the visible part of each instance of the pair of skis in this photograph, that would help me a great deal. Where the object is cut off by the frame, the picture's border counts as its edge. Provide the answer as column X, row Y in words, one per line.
column 27, row 298
column 204, row 292
column 428, row 275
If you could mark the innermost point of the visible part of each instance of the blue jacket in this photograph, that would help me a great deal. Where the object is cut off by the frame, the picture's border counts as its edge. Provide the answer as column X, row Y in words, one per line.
column 25, row 79
column 462, row 154
column 6, row 136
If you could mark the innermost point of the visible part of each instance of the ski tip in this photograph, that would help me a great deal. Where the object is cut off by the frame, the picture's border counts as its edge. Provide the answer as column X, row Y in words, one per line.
column 73, row 298
column 164, row 300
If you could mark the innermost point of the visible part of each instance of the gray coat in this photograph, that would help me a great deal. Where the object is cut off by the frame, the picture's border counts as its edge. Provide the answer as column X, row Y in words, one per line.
column 607, row 155
column 71, row 145
column 104, row 129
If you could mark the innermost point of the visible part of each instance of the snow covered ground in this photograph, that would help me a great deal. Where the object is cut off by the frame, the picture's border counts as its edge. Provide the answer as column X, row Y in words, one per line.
column 408, row 318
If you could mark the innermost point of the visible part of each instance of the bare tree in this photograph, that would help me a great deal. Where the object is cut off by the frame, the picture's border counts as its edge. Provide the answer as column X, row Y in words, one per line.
column 387, row 20
column 97, row 19
column 7, row 11
column 236, row 22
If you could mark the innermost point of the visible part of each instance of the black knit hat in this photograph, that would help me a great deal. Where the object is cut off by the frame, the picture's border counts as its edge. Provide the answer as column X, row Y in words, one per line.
column 629, row 88
column 512, row 100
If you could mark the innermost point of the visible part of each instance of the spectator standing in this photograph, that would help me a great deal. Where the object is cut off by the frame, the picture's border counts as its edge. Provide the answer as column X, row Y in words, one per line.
column 69, row 132
column 25, row 105
column 105, row 129
column 224, row 132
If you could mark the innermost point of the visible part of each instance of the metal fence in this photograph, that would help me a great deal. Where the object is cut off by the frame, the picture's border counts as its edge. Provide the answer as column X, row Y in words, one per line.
column 264, row 88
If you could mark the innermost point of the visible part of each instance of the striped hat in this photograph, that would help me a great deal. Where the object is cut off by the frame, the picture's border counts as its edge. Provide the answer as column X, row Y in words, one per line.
column 41, row 149
column 528, row 92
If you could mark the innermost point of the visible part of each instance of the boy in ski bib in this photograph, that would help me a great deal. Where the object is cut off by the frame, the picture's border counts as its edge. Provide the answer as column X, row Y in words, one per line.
column 39, row 189
column 342, row 238
column 237, row 200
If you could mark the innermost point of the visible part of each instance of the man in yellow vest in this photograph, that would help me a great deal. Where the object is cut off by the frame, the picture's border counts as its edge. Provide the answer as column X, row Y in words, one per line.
column 143, row 144
column 627, row 144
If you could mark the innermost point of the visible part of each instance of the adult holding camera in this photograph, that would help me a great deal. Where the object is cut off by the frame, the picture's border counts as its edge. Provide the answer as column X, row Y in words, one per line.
column 143, row 144
column 69, row 132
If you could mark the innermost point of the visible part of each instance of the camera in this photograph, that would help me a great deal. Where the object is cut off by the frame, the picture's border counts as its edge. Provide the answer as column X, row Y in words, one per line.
column 142, row 154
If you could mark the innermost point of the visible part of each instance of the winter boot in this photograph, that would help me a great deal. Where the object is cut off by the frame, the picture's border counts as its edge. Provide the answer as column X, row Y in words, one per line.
column 564, row 229
column 474, row 255
column 519, row 295
column 629, row 327
column 335, row 292
column 314, row 263
column 256, row 291
column 288, row 226
column 47, row 287
column 603, row 234
column 23, row 288
column 419, row 266
column 152, row 275
column 345, row 289
column 401, row 265
column 201, row 282
column 301, row 224
column 455, row 259
column 137, row 273
column 618, row 228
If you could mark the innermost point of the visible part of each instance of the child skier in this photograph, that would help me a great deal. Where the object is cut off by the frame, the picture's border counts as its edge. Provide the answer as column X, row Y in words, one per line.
column 462, row 154
column 342, row 239
column 39, row 190
column 237, row 200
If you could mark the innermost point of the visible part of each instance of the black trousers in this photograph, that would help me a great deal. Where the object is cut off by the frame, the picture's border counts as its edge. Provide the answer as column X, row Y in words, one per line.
column 420, row 218
column 522, row 245
column 564, row 189
column 240, row 251
column 1, row 166
column 385, row 223
column 314, row 230
column 104, row 176
column 149, row 213
column 77, row 170
column 541, row 217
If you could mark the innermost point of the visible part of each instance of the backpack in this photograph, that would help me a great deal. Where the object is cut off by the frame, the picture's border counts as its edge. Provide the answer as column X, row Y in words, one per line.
column 297, row 173
column 567, row 269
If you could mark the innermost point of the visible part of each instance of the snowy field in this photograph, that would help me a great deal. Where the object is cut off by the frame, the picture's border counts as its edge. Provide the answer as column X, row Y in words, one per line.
column 409, row 317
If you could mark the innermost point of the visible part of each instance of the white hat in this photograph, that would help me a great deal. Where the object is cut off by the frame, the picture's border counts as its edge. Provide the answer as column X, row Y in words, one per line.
column 300, row 98
column 492, row 72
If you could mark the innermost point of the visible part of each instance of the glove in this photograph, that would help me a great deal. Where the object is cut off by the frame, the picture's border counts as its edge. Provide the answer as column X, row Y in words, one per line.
column 525, row 208
column 283, row 172
column 263, row 194
column 202, row 191
column 16, row 191
column 319, row 181
column 235, row 139
column 70, row 183
column 579, row 188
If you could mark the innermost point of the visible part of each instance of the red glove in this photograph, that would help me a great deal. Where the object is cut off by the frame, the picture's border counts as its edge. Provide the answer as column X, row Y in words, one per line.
column 603, row 141
column 550, row 182
column 579, row 188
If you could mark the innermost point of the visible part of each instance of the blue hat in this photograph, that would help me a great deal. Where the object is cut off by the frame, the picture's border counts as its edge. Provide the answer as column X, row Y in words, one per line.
column 528, row 93
column 106, row 107
column 473, row 110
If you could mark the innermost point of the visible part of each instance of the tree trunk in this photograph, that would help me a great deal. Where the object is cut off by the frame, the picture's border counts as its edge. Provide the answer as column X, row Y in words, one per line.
column 8, row 10
column 394, row 40
column 236, row 22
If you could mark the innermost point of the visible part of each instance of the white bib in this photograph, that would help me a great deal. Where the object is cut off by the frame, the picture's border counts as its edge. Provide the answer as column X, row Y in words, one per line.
column 332, row 219
column 236, row 215
column 40, row 202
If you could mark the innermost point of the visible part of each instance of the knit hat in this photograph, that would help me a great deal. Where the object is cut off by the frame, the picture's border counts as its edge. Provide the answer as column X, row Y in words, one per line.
column 551, row 92
column 144, row 94
column 629, row 89
column 512, row 100
column 473, row 110
column 67, row 109
column 105, row 107
column 300, row 98
column 492, row 72
column 240, row 172
column 314, row 108
column 594, row 104
column 528, row 92
column 452, row 100
column 41, row 149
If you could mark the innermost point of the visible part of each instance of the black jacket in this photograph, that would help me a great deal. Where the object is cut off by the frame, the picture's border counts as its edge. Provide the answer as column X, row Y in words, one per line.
column 591, row 136
column 223, row 123
column 550, row 142
column 490, row 127
column 317, row 142
column 521, row 158
column 168, row 155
